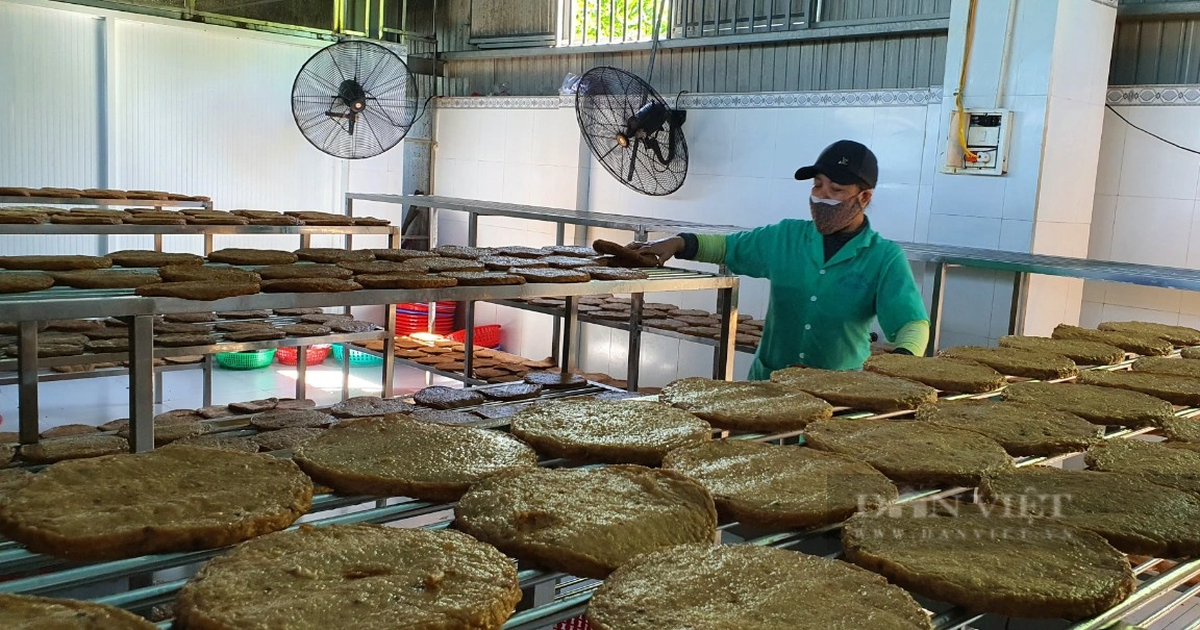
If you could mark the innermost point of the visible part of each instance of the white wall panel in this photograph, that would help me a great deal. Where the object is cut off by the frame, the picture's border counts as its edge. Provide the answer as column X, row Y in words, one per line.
column 207, row 111
column 49, row 110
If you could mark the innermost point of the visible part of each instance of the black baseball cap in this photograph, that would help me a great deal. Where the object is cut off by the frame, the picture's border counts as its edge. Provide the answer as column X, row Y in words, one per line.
column 845, row 162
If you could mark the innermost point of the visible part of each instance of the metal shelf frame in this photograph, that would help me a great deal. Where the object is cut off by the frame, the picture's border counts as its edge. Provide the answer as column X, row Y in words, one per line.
column 941, row 257
column 553, row 597
column 139, row 313
column 565, row 330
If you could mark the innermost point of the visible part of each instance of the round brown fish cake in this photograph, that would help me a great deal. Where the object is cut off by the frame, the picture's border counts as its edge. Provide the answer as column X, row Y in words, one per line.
column 306, row 330
column 68, row 430
column 237, row 256
column 858, row 390
column 54, row 263
column 284, row 439
column 167, row 500
column 1023, row 429
column 587, row 522
column 310, row 285
column 556, row 380
column 1182, row 429
column 371, row 267
column 1164, row 365
column 1177, row 335
column 205, row 273
column 254, row 406
column 259, row 313
column 745, row 406
column 613, row 273
column 47, row 350
column 511, row 392
column 1173, row 388
column 206, row 290
column 401, row 255
column 24, row 282
column 782, row 487
column 398, row 455
column 443, row 416
column 236, row 444
column 143, row 258
column 75, row 447
column 104, row 279
column 255, row 334
column 1017, row 362
column 609, row 431
column 460, row 251
column 405, row 281
column 520, row 251
column 912, row 452
column 762, row 588
column 483, row 278
column 572, row 250
column 1098, row 405
column 439, row 264
column 291, row 272
column 167, row 433
column 1135, row 342
column 366, row 406
column 537, row 274
column 297, row 312
column 1190, row 353
column 504, row 263
column 332, row 255
column 955, row 375
column 184, row 340
column 1135, row 515
column 24, row 612
column 991, row 562
column 287, row 418
column 571, row 262
column 1080, row 351
column 352, row 326
column 442, row 397
column 380, row 577
column 1172, row 467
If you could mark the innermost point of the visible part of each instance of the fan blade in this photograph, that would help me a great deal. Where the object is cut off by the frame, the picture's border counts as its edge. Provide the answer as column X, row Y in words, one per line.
column 633, row 158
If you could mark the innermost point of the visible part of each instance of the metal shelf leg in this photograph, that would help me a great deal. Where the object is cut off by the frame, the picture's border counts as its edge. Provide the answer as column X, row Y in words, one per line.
column 570, row 325
column 27, row 375
column 635, row 341
column 389, row 352
column 935, row 309
column 724, row 354
column 301, row 373
column 141, row 383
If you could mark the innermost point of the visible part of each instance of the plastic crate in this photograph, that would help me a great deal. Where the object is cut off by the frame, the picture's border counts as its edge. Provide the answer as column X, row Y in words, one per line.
column 356, row 357
column 247, row 360
column 486, row 336
column 313, row 355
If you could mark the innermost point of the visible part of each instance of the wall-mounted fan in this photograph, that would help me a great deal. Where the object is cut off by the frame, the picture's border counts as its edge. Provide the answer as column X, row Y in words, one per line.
column 354, row 99
column 630, row 128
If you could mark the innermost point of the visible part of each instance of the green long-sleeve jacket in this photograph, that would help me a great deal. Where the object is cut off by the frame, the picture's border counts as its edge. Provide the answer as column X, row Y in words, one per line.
column 820, row 313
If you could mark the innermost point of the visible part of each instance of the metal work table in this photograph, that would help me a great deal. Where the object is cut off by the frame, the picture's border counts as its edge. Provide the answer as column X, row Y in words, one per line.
column 566, row 322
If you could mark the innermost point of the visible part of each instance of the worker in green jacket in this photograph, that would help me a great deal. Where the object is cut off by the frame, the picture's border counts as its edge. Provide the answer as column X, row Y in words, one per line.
column 830, row 277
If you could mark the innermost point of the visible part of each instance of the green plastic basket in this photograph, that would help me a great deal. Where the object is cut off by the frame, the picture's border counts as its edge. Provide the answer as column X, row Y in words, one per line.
column 247, row 360
column 356, row 357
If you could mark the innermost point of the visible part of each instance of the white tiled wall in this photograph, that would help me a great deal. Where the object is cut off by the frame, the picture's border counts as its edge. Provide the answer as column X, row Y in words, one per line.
column 1147, row 210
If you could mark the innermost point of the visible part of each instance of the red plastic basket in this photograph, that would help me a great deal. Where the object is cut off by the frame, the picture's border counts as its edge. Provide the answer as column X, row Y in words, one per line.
column 578, row 623
column 486, row 336
column 423, row 307
column 313, row 355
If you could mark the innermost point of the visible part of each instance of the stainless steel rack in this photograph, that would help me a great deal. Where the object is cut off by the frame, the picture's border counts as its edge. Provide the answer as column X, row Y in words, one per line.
column 78, row 201
column 566, row 323
column 139, row 312
column 552, row 596
column 942, row 257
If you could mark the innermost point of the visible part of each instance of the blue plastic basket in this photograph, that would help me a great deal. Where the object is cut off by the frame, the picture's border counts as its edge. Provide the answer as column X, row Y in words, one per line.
column 356, row 357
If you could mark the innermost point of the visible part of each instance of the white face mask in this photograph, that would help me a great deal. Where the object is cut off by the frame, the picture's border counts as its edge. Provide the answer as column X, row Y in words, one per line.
column 828, row 202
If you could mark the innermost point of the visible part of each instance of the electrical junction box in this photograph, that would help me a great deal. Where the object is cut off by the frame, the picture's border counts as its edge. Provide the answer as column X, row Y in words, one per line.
column 987, row 133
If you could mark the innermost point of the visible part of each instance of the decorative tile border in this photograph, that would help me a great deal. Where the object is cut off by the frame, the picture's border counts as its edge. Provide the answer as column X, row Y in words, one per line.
column 840, row 98
column 1154, row 95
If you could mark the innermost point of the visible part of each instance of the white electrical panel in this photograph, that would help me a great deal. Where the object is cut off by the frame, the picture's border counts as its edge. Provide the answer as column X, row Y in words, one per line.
column 987, row 134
